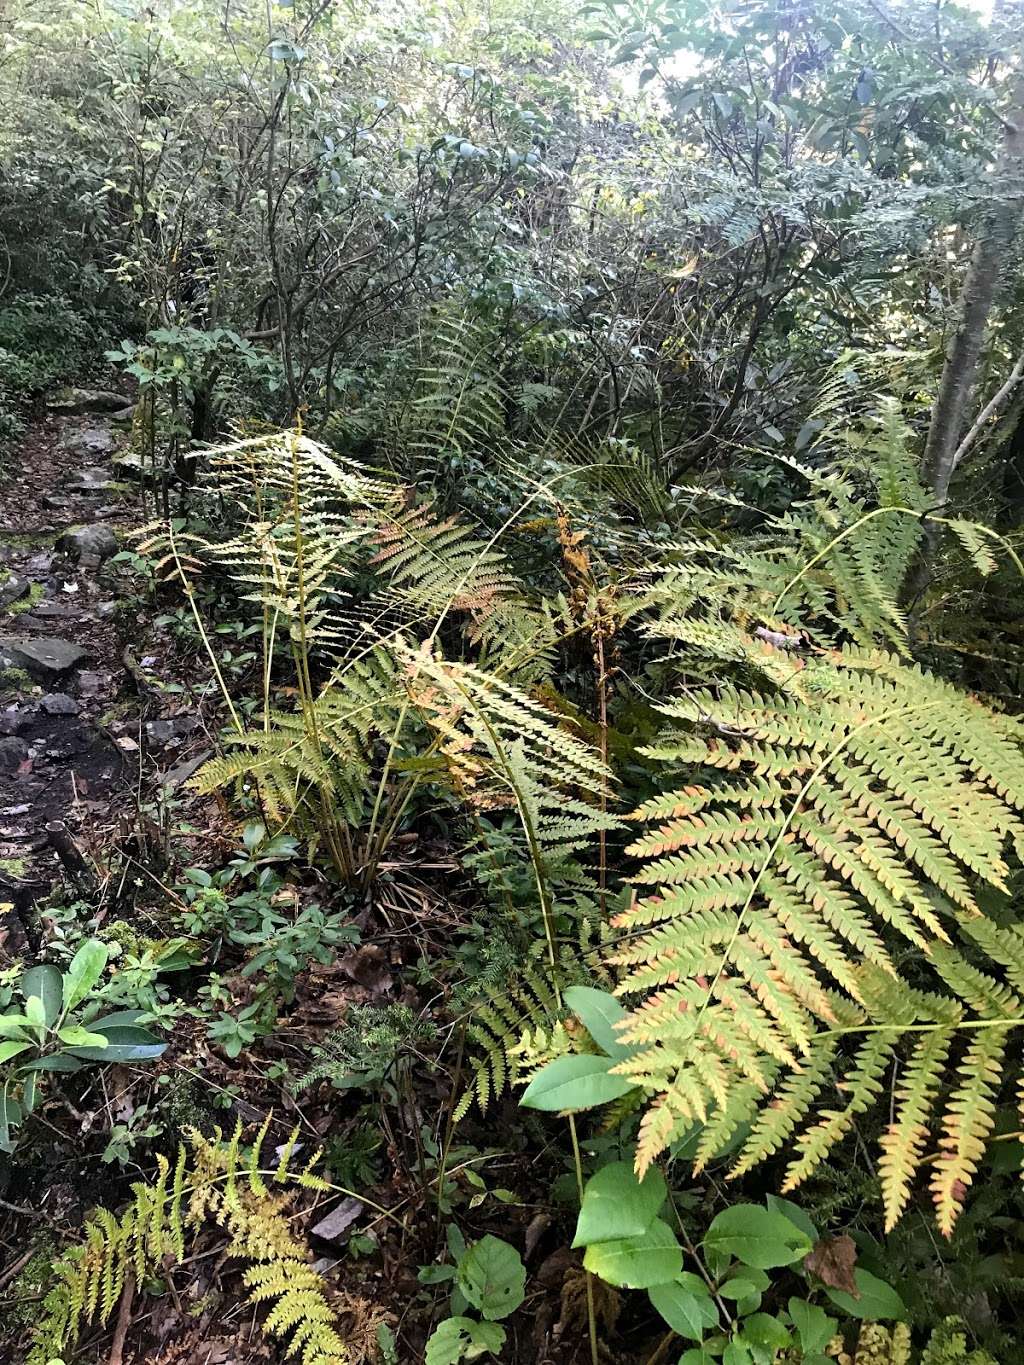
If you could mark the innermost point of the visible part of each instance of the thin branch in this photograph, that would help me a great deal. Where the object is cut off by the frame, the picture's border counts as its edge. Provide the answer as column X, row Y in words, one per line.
column 989, row 410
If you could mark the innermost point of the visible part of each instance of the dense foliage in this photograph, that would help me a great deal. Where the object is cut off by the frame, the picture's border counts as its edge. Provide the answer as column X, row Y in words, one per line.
column 579, row 471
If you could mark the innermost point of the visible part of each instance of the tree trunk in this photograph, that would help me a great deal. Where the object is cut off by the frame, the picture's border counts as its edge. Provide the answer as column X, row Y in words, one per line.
column 959, row 373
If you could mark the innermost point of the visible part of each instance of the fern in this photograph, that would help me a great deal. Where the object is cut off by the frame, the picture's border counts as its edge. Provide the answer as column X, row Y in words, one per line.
column 500, row 1023
column 210, row 1181
column 457, row 401
column 504, row 750
column 819, row 865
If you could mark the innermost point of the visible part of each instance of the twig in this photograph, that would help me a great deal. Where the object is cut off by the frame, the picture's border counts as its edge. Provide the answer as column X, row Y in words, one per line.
column 124, row 1320
column 989, row 410
column 15, row 1266
column 19, row 1208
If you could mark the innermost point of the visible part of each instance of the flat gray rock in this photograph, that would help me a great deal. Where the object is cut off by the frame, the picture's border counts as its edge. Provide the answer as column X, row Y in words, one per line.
column 64, row 610
column 12, row 752
column 89, row 441
column 47, row 657
column 94, row 477
column 59, row 704
column 12, row 588
column 14, row 721
column 74, row 400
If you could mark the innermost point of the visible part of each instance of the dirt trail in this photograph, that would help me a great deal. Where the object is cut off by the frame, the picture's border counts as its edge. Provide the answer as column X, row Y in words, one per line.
column 60, row 513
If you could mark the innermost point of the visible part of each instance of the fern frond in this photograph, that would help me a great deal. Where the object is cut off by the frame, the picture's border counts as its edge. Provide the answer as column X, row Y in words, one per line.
column 221, row 1185
column 830, row 831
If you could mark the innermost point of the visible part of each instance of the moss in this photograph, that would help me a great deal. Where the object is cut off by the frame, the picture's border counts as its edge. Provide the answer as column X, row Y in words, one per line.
column 183, row 1105
column 32, row 598
column 15, row 680
column 29, row 540
column 21, row 1307
column 118, row 711
column 14, row 867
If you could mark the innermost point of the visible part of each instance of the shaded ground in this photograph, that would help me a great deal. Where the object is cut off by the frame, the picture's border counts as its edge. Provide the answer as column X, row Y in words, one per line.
column 60, row 655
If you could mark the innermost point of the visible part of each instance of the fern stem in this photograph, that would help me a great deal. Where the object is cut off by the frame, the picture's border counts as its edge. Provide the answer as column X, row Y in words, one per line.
column 190, row 598
column 591, row 1313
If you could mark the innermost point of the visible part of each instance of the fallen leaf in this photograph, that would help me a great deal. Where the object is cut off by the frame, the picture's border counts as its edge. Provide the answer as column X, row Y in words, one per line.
column 334, row 1228
column 367, row 966
column 833, row 1260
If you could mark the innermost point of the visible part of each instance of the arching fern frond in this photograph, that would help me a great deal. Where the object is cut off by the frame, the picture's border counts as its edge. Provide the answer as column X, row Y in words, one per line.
column 816, row 864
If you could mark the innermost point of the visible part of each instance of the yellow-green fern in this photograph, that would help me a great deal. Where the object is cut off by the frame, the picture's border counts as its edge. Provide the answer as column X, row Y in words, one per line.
column 210, row 1181
column 810, row 917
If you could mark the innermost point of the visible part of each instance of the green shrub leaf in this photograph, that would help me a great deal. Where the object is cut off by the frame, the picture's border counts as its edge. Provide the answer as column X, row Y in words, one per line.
column 758, row 1237
column 571, row 1083
column 616, row 1204
column 637, row 1262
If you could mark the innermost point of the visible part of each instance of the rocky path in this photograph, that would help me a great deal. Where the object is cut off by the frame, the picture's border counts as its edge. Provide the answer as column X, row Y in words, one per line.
column 61, row 770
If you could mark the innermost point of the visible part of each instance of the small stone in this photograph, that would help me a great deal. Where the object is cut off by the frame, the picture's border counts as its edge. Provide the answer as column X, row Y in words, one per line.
column 164, row 731
column 89, row 683
column 89, row 542
column 335, row 1227
column 106, row 609
column 14, row 721
column 74, row 400
column 44, row 658
column 124, row 417
column 92, row 479
column 13, row 588
column 13, row 752
column 130, row 465
column 126, row 744
column 175, row 776
column 68, row 610
column 59, row 704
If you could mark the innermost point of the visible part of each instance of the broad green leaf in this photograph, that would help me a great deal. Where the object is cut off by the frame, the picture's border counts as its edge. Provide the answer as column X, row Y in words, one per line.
column 85, row 970
column 814, row 1326
column 765, row 1330
column 575, row 1082
column 59, row 1061
column 744, row 1282
column 460, row 1338
column 124, row 1033
column 617, row 1205
column 35, row 1013
column 492, row 1277
column 758, row 1237
column 10, row 1117
column 124, row 1044
column 119, row 1019
column 76, row 1036
column 637, row 1262
column 600, row 1012
column 12, row 1048
column 14, row 1025
column 44, row 982
column 435, row 1274
column 737, row 1353
column 794, row 1213
column 696, row 1356
column 686, row 1305
column 878, row 1301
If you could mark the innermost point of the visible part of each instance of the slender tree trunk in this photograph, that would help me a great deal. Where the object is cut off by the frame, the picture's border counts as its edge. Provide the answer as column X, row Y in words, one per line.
column 949, row 413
